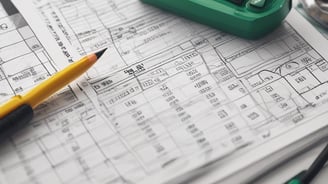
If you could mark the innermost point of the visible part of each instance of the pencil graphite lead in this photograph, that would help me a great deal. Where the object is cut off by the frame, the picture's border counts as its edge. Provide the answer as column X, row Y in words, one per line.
column 100, row 53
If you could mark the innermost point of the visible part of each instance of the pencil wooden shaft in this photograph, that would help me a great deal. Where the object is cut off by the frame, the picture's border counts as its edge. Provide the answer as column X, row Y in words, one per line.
column 61, row 79
column 48, row 87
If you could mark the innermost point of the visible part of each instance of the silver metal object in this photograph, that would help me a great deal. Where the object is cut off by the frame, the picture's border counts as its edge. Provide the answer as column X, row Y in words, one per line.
column 317, row 9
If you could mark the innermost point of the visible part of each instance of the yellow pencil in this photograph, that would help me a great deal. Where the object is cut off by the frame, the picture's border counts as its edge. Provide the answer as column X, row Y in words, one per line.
column 12, row 110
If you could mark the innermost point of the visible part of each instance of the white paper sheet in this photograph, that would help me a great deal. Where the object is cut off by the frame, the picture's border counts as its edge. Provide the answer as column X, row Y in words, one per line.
column 168, row 96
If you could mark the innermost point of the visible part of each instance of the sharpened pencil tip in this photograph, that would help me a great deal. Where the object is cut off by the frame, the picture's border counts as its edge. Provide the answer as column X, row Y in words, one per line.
column 100, row 53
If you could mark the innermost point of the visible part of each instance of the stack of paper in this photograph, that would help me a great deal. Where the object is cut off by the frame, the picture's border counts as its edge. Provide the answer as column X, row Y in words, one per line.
column 170, row 99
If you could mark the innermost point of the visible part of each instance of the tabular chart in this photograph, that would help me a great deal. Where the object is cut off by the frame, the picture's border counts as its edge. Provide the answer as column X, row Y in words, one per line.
column 23, row 60
column 167, row 90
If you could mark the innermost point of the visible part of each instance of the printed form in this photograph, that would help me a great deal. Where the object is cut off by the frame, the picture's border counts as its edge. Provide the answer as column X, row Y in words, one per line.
column 168, row 96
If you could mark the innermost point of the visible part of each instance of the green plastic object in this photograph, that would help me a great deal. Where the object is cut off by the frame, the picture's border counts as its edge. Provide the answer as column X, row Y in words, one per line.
column 251, row 19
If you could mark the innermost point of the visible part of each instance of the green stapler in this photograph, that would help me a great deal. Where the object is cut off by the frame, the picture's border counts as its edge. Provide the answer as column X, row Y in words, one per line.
column 251, row 19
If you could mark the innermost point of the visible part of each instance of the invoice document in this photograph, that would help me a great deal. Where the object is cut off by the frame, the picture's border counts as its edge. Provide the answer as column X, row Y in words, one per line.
column 168, row 98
